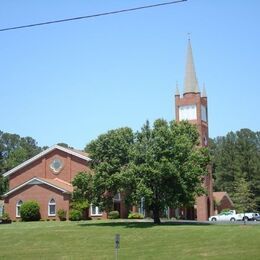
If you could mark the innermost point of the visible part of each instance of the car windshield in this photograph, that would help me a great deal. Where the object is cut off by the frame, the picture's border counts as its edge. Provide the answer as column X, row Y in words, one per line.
column 224, row 213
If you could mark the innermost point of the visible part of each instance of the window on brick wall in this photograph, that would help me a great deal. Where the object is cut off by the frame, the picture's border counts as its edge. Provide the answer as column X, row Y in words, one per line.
column 95, row 211
column 52, row 208
column 18, row 208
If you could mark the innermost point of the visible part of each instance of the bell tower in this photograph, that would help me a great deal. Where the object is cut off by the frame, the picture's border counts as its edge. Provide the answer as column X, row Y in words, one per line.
column 193, row 106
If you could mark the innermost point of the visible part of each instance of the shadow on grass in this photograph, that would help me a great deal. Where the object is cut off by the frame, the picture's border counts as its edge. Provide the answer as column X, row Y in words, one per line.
column 142, row 224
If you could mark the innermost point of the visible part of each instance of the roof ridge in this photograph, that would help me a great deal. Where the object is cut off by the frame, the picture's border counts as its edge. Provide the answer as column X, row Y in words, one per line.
column 41, row 154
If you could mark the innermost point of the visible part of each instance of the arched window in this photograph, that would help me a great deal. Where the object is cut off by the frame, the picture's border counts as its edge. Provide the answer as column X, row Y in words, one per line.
column 18, row 208
column 52, row 208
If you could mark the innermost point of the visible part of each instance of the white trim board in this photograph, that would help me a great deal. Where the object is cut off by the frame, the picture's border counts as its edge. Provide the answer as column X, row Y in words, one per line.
column 34, row 181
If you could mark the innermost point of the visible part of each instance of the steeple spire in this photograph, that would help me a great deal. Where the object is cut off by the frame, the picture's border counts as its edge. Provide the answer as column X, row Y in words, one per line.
column 190, row 81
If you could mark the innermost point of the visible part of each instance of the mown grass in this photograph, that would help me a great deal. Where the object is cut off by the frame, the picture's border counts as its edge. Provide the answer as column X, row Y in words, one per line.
column 95, row 240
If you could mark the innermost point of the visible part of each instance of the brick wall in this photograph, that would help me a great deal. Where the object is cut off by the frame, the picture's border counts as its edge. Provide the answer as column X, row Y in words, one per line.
column 42, row 194
column 41, row 168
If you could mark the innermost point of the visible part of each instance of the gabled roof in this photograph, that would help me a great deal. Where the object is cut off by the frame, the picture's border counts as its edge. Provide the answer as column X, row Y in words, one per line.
column 219, row 195
column 76, row 153
column 56, row 183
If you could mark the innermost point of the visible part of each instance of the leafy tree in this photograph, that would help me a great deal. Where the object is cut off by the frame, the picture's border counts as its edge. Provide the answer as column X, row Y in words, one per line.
column 110, row 154
column 167, row 166
column 226, row 162
column 13, row 151
column 162, row 165
column 243, row 198
column 234, row 156
column 3, row 185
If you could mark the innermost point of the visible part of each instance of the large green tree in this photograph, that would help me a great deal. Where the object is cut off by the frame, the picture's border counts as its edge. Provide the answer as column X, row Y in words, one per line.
column 162, row 165
column 167, row 166
column 234, row 156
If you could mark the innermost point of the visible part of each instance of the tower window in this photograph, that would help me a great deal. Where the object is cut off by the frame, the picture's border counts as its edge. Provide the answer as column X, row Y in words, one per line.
column 188, row 112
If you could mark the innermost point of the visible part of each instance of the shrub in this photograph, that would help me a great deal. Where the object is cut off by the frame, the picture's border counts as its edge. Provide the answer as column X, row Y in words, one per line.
column 62, row 214
column 30, row 211
column 79, row 205
column 113, row 215
column 5, row 218
column 75, row 215
column 135, row 215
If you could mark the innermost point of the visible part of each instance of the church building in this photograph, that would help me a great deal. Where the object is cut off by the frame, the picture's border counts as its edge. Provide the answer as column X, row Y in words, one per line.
column 47, row 177
column 193, row 106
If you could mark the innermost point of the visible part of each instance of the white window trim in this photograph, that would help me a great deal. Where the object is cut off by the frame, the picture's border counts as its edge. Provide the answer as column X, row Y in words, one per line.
column 97, row 210
column 18, row 205
column 51, row 204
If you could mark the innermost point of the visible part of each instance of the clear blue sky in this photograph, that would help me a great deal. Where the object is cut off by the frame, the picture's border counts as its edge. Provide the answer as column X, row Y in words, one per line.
column 73, row 81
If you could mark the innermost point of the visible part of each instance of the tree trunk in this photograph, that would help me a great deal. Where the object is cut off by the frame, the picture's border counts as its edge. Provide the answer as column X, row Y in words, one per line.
column 156, row 215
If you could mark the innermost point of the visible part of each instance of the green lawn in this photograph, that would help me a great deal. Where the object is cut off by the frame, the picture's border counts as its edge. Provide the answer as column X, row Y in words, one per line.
column 95, row 240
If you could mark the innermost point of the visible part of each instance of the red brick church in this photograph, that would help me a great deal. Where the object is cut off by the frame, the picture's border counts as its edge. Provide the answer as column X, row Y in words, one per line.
column 47, row 176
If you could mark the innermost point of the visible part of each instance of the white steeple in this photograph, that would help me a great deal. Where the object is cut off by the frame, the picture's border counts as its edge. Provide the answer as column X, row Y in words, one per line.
column 190, row 81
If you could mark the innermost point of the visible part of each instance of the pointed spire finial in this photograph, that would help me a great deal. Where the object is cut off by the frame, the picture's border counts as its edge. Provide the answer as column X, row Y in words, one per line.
column 177, row 92
column 190, row 80
column 204, row 93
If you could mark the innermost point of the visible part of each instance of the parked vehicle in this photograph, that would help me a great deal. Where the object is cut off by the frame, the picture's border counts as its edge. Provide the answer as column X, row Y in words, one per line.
column 256, row 217
column 249, row 215
column 227, row 216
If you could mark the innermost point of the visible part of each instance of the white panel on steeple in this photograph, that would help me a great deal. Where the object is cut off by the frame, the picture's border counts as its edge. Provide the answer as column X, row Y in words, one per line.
column 188, row 112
